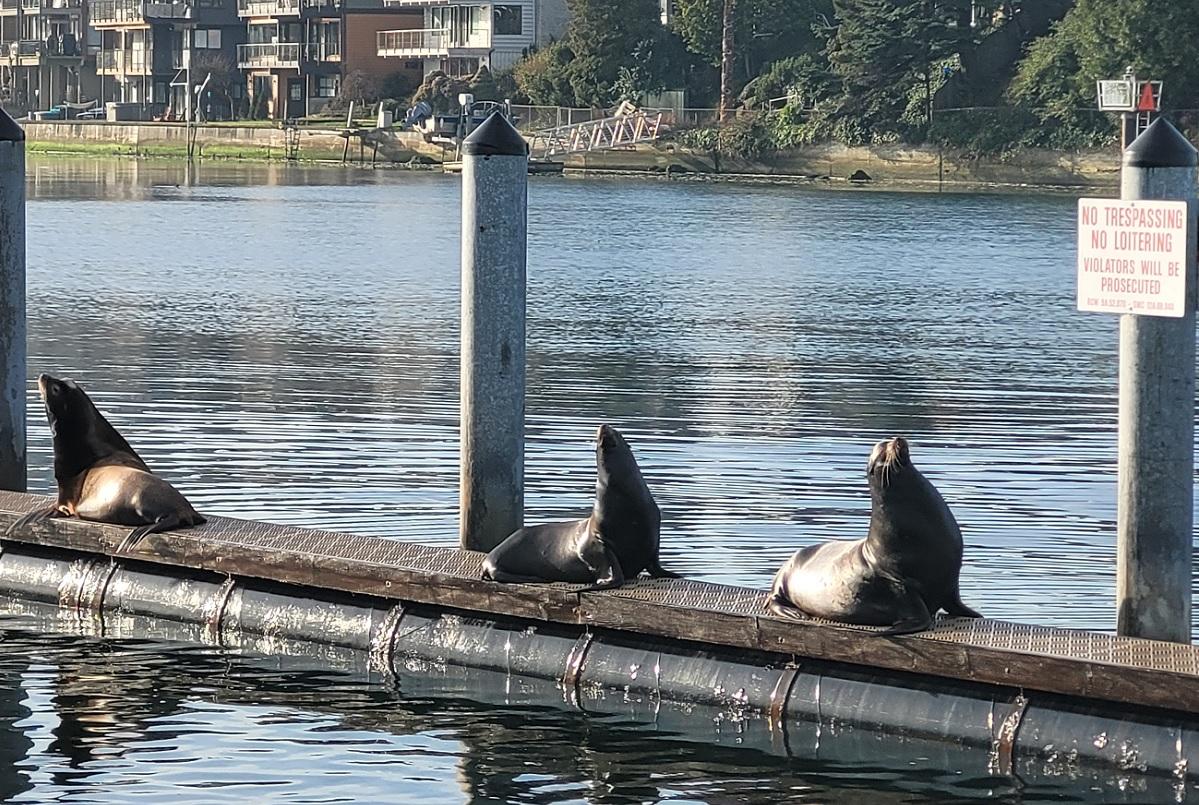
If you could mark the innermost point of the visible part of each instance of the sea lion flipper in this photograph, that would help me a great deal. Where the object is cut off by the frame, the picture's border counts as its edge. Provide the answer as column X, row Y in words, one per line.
column 164, row 523
column 957, row 609
column 776, row 605
column 656, row 571
column 914, row 616
column 613, row 578
column 42, row 513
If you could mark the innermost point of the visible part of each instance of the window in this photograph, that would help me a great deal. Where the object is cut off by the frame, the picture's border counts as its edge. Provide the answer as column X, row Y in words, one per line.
column 459, row 67
column 331, row 38
column 207, row 38
column 295, row 90
column 326, row 86
column 507, row 20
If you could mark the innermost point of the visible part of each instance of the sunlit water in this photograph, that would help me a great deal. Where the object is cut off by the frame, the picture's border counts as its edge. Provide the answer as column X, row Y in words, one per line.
column 281, row 343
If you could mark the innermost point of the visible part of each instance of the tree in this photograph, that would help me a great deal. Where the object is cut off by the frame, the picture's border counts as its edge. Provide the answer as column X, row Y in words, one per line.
column 888, row 54
column 222, row 73
column 543, row 77
column 612, row 49
column 728, row 20
column 359, row 87
column 1098, row 39
column 764, row 30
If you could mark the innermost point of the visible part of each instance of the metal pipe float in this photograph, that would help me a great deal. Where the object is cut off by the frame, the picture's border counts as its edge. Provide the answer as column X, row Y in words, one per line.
column 779, row 703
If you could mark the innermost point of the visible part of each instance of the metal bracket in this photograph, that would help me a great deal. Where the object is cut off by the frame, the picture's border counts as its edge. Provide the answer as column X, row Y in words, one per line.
column 214, row 623
column 382, row 650
column 1003, row 746
column 776, row 717
column 574, row 666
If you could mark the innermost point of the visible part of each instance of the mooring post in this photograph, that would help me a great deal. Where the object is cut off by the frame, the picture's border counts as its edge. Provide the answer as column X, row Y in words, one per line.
column 495, row 175
column 12, row 304
column 1157, row 418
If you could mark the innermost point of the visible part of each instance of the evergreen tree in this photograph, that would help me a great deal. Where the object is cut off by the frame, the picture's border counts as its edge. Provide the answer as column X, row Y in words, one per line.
column 613, row 49
column 888, row 54
column 1098, row 39
column 765, row 30
column 606, row 35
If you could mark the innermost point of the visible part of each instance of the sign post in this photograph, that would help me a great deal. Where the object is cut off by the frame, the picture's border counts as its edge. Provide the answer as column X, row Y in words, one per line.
column 1136, row 256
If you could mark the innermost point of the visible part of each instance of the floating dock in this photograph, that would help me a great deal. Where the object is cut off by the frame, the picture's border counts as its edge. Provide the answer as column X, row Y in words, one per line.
column 1012, row 693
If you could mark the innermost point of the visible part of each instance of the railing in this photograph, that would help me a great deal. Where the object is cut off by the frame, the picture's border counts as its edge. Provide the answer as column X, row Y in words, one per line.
column 108, row 12
column 268, row 8
column 627, row 127
column 169, row 11
column 51, row 5
column 273, row 54
column 124, row 62
column 417, row 3
column 417, row 42
column 25, row 47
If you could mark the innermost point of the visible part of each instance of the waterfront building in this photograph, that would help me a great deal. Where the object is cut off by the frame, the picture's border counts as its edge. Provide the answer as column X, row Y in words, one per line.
column 458, row 38
column 298, row 52
column 146, row 48
column 44, row 54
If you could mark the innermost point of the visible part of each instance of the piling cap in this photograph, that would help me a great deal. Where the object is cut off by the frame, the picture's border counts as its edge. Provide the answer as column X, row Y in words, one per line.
column 1160, row 146
column 495, row 137
column 10, row 132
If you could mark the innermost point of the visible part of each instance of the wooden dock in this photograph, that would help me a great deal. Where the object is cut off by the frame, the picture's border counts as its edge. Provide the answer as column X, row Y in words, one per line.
column 1076, row 664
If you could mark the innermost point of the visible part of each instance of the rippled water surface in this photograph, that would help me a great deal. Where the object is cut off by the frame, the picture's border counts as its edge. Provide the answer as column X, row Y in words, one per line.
column 281, row 343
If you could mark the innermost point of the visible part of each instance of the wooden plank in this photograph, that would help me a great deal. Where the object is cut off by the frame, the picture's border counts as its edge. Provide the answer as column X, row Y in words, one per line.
column 216, row 548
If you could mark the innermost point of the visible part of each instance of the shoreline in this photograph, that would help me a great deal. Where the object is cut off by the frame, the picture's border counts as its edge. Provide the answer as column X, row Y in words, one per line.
column 897, row 168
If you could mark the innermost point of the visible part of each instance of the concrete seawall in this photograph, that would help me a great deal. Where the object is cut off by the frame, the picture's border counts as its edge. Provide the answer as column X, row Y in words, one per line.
column 884, row 167
column 887, row 166
column 246, row 142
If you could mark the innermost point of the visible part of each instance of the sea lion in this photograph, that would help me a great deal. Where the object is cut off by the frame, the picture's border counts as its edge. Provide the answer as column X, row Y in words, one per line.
column 100, row 477
column 900, row 575
column 617, row 542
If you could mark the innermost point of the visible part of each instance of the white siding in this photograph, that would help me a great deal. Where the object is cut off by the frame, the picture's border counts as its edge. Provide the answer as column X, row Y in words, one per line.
column 552, row 17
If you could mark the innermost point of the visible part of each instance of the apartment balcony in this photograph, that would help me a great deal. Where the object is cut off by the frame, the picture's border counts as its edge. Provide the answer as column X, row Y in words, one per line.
column 268, row 8
column 267, row 56
column 427, row 43
column 32, row 52
column 137, row 12
column 125, row 62
column 276, row 9
column 51, row 6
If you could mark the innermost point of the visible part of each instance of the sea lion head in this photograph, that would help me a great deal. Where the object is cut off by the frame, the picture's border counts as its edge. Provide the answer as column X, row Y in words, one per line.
column 82, row 436
column 66, row 404
column 887, row 459
column 613, row 455
column 620, row 489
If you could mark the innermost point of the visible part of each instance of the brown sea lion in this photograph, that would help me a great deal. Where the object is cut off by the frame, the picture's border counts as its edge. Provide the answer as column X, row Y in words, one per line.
column 617, row 542
column 100, row 477
column 900, row 575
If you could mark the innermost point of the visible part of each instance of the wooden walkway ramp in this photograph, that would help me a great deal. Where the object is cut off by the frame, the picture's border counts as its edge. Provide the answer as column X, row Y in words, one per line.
column 1078, row 664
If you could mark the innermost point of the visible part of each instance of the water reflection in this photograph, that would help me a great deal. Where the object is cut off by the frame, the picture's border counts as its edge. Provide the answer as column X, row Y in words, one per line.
column 158, row 719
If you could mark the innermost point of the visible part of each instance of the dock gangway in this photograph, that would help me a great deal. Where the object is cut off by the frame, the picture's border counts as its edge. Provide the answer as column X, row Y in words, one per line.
column 626, row 127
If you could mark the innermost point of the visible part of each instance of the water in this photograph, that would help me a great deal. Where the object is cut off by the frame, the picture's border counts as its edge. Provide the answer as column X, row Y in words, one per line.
column 281, row 343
